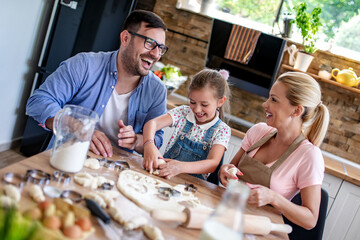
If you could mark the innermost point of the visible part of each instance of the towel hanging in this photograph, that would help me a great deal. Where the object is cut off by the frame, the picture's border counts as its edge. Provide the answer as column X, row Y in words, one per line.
column 241, row 44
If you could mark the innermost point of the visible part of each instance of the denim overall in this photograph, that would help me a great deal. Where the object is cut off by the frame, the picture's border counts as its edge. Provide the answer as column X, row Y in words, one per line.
column 186, row 150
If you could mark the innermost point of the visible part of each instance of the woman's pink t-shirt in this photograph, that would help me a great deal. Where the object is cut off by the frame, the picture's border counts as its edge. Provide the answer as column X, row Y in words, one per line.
column 303, row 168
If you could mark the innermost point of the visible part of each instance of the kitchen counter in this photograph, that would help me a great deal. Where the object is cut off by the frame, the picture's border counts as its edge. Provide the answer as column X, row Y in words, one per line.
column 345, row 170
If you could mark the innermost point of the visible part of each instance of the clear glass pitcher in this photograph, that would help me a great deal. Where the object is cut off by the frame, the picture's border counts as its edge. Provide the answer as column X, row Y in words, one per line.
column 73, row 129
column 226, row 222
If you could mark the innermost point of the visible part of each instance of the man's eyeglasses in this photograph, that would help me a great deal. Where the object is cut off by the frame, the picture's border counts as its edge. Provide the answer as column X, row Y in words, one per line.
column 151, row 44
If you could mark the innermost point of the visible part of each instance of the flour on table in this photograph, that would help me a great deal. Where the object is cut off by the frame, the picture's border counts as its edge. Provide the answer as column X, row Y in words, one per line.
column 144, row 191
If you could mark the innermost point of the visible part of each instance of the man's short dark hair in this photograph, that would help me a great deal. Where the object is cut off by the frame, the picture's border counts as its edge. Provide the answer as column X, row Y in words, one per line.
column 136, row 17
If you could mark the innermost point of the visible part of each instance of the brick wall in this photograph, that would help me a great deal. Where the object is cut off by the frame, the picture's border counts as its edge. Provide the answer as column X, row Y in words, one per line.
column 187, row 40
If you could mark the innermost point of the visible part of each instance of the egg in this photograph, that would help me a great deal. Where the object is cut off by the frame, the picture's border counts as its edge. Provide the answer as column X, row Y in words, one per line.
column 44, row 205
column 33, row 214
column 52, row 222
column 73, row 232
column 84, row 223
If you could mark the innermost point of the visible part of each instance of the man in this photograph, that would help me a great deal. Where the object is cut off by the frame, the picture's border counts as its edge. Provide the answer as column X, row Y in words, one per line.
column 118, row 85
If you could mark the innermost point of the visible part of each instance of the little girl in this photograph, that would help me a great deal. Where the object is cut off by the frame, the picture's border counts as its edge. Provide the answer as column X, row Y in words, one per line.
column 200, row 138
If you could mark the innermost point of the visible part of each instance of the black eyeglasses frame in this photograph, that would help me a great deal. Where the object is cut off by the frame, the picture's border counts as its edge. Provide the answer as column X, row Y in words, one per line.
column 163, row 48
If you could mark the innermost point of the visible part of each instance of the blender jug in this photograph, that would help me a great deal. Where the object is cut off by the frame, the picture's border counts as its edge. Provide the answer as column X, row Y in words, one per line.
column 73, row 129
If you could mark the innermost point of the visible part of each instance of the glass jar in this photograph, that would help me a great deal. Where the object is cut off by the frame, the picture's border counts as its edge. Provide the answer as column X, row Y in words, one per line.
column 226, row 222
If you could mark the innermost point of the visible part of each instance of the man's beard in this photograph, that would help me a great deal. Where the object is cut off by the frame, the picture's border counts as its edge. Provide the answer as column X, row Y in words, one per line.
column 134, row 66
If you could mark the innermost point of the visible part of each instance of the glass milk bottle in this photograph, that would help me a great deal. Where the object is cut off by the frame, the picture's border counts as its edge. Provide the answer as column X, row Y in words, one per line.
column 226, row 222
column 73, row 129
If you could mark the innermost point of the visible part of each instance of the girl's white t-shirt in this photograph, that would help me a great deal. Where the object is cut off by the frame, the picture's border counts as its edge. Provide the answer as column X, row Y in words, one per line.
column 116, row 109
column 179, row 115
column 303, row 168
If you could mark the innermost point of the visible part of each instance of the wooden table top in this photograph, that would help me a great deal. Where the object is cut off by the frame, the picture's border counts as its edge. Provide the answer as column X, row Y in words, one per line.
column 208, row 193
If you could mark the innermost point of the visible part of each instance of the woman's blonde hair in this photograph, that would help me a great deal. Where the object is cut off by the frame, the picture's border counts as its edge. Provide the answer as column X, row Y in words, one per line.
column 305, row 91
column 216, row 80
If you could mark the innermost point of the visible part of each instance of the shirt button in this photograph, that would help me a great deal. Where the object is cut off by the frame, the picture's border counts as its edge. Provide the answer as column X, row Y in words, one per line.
column 111, row 73
column 112, row 87
column 115, row 73
column 102, row 106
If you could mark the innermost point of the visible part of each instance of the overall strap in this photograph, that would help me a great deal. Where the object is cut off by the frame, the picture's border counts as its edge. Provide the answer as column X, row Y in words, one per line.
column 290, row 150
column 187, row 126
column 210, row 131
column 262, row 141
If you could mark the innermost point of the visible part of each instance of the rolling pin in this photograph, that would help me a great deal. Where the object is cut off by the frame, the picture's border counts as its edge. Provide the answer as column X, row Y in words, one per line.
column 195, row 218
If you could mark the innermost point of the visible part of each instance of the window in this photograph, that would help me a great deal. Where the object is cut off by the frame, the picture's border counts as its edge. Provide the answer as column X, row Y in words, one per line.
column 340, row 31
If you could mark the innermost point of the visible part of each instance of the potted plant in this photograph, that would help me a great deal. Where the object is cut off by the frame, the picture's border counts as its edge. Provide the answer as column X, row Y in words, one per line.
column 308, row 24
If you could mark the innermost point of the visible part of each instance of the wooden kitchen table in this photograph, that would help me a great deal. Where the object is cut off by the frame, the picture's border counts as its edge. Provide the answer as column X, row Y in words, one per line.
column 208, row 193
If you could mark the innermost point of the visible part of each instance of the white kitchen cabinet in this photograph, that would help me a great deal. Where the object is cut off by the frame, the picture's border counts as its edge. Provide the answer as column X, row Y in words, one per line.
column 233, row 148
column 167, row 135
column 331, row 184
column 343, row 220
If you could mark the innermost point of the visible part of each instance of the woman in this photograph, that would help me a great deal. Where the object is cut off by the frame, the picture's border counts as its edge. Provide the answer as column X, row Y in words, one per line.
column 281, row 157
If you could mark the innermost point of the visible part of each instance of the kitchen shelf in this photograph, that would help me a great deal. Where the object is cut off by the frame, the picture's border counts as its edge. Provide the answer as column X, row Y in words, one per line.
column 352, row 89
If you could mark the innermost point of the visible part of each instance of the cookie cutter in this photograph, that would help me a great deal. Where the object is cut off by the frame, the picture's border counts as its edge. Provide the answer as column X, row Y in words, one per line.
column 109, row 164
column 166, row 193
column 106, row 186
column 190, row 187
column 122, row 165
column 15, row 179
column 72, row 195
column 61, row 176
column 37, row 176
column 106, row 162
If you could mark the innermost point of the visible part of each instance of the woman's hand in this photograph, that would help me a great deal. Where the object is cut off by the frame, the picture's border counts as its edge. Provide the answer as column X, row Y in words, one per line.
column 151, row 156
column 260, row 195
column 225, row 176
column 170, row 169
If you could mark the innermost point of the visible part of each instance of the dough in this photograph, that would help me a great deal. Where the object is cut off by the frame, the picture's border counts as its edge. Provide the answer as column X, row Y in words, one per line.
column 6, row 201
column 92, row 163
column 136, row 222
column 152, row 232
column 143, row 190
column 117, row 215
column 97, row 198
column 108, row 196
column 12, row 192
column 232, row 171
column 160, row 162
column 87, row 180
column 36, row 193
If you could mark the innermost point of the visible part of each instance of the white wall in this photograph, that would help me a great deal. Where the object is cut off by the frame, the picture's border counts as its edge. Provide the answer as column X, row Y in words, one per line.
column 21, row 35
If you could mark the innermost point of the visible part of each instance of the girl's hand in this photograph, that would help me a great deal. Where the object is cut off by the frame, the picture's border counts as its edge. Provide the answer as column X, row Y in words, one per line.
column 170, row 169
column 260, row 195
column 151, row 156
column 225, row 175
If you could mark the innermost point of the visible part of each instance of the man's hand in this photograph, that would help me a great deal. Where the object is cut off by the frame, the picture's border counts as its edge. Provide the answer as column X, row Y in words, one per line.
column 127, row 136
column 101, row 145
